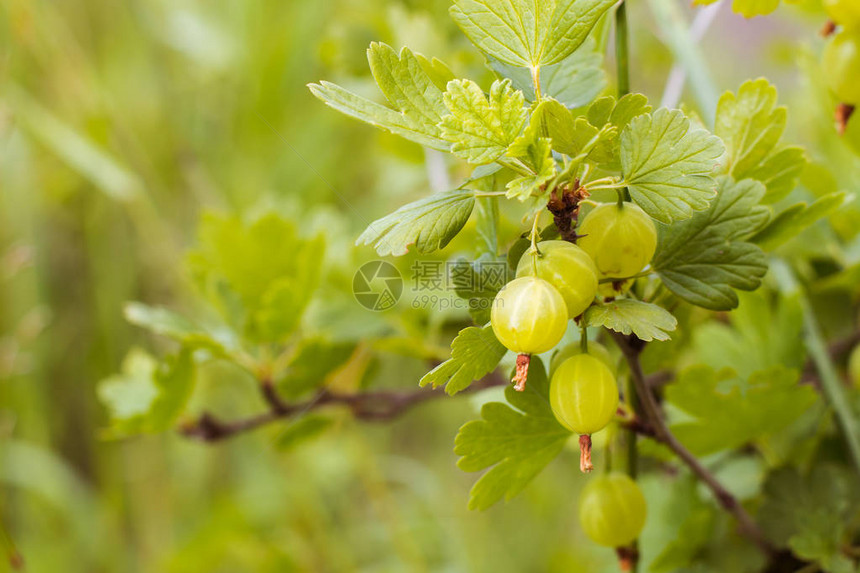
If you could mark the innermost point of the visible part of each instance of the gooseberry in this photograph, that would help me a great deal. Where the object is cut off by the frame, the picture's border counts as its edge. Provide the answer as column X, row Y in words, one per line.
column 566, row 267
column 841, row 62
column 612, row 510
column 621, row 240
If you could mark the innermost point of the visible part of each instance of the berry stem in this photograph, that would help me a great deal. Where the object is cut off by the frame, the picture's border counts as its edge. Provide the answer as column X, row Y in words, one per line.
column 585, row 465
column 522, row 372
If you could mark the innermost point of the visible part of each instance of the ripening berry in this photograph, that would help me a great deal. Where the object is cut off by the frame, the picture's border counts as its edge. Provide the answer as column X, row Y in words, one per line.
column 845, row 13
column 594, row 349
column 529, row 316
column 566, row 267
column 583, row 394
column 841, row 63
column 620, row 240
column 612, row 510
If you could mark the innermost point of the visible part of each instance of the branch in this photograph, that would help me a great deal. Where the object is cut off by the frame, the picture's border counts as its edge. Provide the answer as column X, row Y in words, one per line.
column 377, row 406
column 631, row 347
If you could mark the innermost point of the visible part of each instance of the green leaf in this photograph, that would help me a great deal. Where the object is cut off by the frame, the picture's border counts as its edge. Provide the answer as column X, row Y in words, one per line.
column 528, row 33
column 569, row 134
column 751, row 125
column 312, row 364
column 688, row 523
column 167, row 323
column 647, row 321
column 795, row 219
column 516, row 444
column 667, row 164
column 808, row 513
column 536, row 153
column 475, row 352
column 742, row 411
column 303, row 430
column 414, row 94
column 268, row 269
column 428, row 224
column 479, row 282
column 574, row 82
column 704, row 258
column 147, row 397
column 481, row 129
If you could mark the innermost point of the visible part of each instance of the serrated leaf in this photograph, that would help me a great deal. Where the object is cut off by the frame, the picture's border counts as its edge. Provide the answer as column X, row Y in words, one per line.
column 481, row 129
column 416, row 98
column 704, row 258
column 475, row 352
column 528, row 33
column 751, row 125
column 617, row 113
column 311, row 365
column 164, row 322
column 147, row 397
column 742, row 410
column 795, row 219
column 428, row 224
column 668, row 164
column 574, row 82
column 516, row 444
column 534, row 151
column 647, row 321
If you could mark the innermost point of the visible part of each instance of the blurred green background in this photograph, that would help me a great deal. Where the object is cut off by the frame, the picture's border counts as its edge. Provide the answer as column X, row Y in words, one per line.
column 120, row 122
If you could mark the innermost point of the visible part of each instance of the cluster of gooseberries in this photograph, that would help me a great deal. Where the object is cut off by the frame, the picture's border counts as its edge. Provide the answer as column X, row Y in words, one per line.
column 841, row 59
column 556, row 281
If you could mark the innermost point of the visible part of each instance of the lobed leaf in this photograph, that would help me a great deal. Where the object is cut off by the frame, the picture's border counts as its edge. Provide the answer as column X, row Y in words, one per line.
column 516, row 444
column 667, row 164
column 704, row 258
column 795, row 219
column 408, row 86
column 428, row 224
column 528, row 33
column 475, row 352
column 751, row 125
column 480, row 129
column 647, row 321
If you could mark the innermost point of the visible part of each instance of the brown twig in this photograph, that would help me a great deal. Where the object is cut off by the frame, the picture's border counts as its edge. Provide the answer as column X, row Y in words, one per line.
column 377, row 406
column 564, row 206
column 631, row 347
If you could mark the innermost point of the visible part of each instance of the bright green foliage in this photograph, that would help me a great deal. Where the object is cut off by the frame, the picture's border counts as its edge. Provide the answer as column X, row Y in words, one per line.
column 528, row 33
column 566, row 267
column 575, row 81
column 416, row 99
column 612, row 510
column 583, row 394
column 261, row 275
column 428, row 224
column 645, row 320
column 481, row 129
column 535, row 151
column 475, row 352
column 529, row 316
column 841, row 63
column 751, row 125
column 147, row 397
column 515, row 441
column 742, row 410
column 617, row 113
column 689, row 522
column 808, row 513
column 164, row 322
column 702, row 259
column 570, row 135
column 795, row 219
column 667, row 164
column 312, row 362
